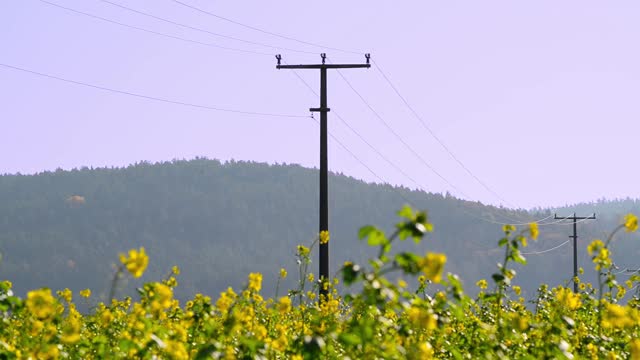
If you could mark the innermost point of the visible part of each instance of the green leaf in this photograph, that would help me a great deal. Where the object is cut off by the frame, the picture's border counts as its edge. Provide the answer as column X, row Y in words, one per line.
column 376, row 238
column 517, row 257
column 406, row 212
column 349, row 339
column 408, row 262
column 350, row 273
column 365, row 231
column 503, row 241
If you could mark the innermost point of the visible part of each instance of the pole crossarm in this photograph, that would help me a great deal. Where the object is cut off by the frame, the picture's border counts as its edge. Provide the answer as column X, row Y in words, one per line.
column 575, row 219
column 323, row 109
column 324, row 66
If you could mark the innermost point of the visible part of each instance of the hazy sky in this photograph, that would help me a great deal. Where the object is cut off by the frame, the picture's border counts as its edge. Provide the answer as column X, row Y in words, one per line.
column 539, row 99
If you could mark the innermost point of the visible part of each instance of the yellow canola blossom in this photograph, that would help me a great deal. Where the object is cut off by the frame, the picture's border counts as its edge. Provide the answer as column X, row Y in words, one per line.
column 508, row 229
column 136, row 263
column 533, row 230
column 618, row 317
column 635, row 349
column 567, row 298
column 432, row 265
column 631, row 223
column 324, row 237
column 41, row 303
column 595, row 245
column 284, row 305
column 255, row 282
column 482, row 284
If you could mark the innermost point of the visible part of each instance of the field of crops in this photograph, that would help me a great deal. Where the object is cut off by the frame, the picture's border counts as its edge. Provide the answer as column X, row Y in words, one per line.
column 382, row 319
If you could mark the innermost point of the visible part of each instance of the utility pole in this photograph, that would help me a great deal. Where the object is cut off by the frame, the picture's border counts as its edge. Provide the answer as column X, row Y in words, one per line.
column 324, row 169
column 575, row 242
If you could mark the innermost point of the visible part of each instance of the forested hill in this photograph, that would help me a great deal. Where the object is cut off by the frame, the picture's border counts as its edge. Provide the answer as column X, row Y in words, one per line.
column 220, row 221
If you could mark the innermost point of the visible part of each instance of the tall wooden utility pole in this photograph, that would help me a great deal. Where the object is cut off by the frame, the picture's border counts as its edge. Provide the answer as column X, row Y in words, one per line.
column 575, row 242
column 324, row 169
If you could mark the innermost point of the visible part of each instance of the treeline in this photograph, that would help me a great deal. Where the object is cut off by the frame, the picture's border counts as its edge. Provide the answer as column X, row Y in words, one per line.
column 219, row 221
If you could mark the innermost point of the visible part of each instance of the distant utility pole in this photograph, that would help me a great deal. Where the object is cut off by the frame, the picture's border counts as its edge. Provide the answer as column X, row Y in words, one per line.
column 324, row 169
column 575, row 242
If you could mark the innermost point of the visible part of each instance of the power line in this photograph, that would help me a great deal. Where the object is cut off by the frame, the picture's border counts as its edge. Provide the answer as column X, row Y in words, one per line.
column 201, row 29
column 442, row 144
column 351, row 152
column 262, row 30
column 399, row 169
column 546, row 251
column 155, row 32
column 365, row 165
column 147, row 97
column 411, row 149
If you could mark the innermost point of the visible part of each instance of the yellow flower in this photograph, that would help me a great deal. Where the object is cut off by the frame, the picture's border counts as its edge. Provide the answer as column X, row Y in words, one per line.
column 176, row 350
column 162, row 295
column 631, row 223
column 175, row 270
column 284, row 305
column 432, row 265
column 482, row 284
column 422, row 318
column 324, row 237
column 595, row 245
column 283, row 273
column 616, row 316
column 508, row 229
column 85, row 293
column 568, row 299
column 422, row 279
column 402, row 284
column 136, row 262
column 66, row 294
column 255, row 282
column 41, row 303
column 635, row 349
column 310, row 277
column 106, row 317
column 71, row 330
column 517, row 290
column 303, row 250
column 533, row 230
column 425, row 351
column 602, row 260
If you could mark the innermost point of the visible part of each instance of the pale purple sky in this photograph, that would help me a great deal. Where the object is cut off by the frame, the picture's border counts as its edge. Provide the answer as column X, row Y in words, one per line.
column 539, row 99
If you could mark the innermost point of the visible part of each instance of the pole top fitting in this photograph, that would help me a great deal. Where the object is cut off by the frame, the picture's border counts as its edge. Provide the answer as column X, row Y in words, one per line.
column 279, row 57
column 324, row 57
column 368, row 57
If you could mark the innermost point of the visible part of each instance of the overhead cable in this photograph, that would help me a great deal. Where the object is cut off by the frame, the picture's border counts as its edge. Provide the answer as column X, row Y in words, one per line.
column 201, row 29
column 262, row 30
column 546, row 251
column 354, row 131
column 155, row 32
column 406, row 145
column 147, row 97
column 442, row 144
column 399, row 169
